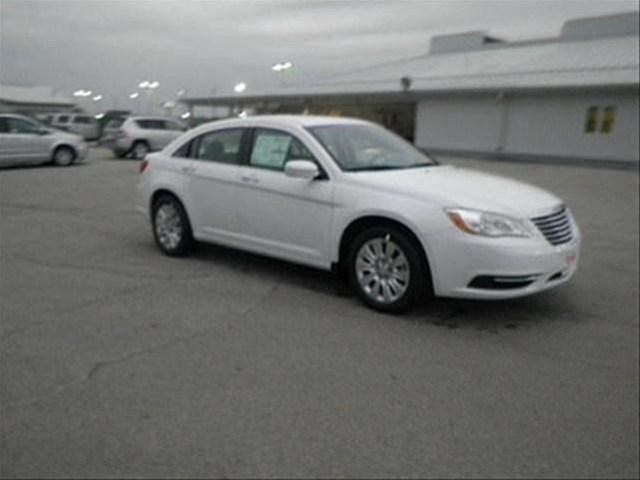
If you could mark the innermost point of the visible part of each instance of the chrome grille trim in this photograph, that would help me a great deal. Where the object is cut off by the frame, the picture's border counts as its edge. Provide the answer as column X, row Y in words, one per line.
column 556, row 227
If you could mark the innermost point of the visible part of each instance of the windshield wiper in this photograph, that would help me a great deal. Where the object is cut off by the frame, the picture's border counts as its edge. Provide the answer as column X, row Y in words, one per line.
column 421, row 165
column 373, row 168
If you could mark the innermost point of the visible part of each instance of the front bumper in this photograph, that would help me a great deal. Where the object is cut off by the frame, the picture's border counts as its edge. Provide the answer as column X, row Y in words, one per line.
column 459, row 260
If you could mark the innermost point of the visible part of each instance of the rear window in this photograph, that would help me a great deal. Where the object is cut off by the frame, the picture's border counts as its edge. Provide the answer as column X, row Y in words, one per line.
column 115, row 123
column 169, row 125
column 83, row 120
column 63, row 119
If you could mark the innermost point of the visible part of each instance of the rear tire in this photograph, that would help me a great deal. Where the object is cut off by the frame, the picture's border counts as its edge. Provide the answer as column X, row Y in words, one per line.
column 387, row 269
column 63, row 156
column 171, row 226
column 140, row 149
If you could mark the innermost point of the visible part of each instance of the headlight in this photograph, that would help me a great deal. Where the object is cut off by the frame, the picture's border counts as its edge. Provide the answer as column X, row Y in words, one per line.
column 488, row 224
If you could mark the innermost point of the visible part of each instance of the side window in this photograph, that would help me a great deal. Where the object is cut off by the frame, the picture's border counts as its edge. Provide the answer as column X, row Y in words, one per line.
column 297, row 151
column 271, row 149
column 4, row 125
column 63, row 118
column 82, row 120
column 183, row 151
column 221, row 147
column 17, row 125
column 151, row 124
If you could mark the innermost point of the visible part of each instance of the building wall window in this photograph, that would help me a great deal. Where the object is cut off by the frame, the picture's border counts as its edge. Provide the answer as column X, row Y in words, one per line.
column 609, row 119
column 591, row 123
column 600, row 123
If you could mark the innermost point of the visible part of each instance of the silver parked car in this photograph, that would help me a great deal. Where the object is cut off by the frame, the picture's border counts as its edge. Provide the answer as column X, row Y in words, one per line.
column 140, row 135
column 24, row 141
column 110, row 130
column 78, row 123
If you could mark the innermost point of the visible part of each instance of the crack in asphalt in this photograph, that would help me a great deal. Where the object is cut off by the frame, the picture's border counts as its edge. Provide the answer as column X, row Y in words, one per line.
column 97, row 367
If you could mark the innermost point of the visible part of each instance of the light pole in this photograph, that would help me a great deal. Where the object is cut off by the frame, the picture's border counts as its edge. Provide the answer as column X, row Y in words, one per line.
column 133, row 96
column 82, row 94
column 148, row 86
column 282, row 67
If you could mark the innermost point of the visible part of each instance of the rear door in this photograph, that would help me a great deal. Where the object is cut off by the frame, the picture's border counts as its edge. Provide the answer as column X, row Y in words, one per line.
column 85, row 126
column 213, row 185
column 153, row 131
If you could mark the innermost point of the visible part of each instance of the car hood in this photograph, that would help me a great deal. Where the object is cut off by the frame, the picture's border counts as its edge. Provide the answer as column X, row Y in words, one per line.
column 458, row 187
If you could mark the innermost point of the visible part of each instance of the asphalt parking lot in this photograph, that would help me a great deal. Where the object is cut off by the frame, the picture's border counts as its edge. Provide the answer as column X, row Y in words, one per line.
column 119, row 361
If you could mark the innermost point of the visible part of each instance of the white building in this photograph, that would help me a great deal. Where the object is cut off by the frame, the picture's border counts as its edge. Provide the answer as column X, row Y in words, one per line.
column 33, row 100
column 574, row 96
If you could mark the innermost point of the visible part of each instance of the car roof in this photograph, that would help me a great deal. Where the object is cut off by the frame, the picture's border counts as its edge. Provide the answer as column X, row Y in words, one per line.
column 149, row 118
column 290, row 121
column 16, row 115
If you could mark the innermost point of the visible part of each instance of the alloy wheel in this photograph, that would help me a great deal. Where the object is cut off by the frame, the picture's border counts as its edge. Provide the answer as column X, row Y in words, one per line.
column 382, row 270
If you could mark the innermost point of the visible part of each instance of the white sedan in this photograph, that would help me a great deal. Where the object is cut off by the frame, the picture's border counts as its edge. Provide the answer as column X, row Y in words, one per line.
column 346, row 194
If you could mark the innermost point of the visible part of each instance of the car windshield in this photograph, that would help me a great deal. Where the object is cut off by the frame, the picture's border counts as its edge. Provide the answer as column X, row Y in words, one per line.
column 360, row 147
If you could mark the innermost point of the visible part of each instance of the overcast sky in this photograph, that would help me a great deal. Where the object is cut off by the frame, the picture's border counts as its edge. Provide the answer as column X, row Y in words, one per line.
column 206, row 47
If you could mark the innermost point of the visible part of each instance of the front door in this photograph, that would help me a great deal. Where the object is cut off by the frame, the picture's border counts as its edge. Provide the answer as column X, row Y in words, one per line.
column 23, row 142
column 279, row 215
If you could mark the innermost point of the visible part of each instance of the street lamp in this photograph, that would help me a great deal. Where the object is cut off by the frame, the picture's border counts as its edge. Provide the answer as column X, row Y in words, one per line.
column 134, row 95
column 282, row 66
column 240, row 87
column 82, row 93
column 97, row 98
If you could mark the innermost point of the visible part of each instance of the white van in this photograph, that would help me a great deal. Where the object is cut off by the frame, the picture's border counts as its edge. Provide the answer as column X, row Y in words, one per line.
column 79, row 123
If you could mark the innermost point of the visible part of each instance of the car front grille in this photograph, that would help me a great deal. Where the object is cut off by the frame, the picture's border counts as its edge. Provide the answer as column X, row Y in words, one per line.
column 556, row 227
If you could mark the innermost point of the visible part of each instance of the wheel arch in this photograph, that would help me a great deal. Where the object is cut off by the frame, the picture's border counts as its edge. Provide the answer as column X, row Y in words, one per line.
column 362, row 223
column 140, row 140
column 57, row 146
column 164, row 191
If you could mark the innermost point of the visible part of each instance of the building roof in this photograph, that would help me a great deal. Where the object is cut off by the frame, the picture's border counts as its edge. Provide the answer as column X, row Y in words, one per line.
column 33, row 95
column 593, row 52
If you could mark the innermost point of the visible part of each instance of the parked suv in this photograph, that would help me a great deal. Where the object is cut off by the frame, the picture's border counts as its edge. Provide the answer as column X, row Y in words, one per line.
column 140, row 135
column 24, row 141
column 81, row 124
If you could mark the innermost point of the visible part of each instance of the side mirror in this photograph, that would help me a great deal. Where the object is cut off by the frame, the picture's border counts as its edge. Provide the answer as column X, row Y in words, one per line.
column 305, row 169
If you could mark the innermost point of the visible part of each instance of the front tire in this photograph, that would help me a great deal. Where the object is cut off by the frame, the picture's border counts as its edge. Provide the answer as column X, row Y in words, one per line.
column 171, row 227
column 387, row 269
column 63, row 156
